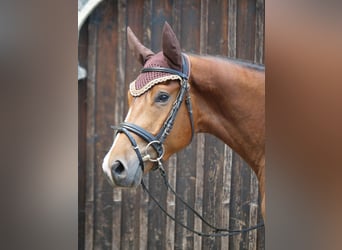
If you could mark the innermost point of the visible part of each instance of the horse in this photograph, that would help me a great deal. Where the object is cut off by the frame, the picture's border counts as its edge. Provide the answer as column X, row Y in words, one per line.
column 177, row 95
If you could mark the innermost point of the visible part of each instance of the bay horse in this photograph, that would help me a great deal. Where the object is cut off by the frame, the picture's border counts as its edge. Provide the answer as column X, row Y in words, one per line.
column 177, row 95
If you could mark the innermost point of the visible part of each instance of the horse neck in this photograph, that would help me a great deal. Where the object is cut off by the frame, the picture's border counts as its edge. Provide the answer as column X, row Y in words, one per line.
column 228, row 101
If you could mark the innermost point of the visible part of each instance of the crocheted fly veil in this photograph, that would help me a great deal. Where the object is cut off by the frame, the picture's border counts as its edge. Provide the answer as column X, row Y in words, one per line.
column 170, row 57
column 147, row 80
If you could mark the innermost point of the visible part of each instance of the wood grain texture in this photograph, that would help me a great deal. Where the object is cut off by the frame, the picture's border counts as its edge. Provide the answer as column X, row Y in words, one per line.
column 207, row 174
column 82, row 136
column 105, row 76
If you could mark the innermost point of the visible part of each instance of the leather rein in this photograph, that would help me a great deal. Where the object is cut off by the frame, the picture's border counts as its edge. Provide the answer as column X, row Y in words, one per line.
column 156, row 142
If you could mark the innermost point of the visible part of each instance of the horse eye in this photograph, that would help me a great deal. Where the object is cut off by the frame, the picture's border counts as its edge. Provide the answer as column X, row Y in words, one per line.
column 162, row 97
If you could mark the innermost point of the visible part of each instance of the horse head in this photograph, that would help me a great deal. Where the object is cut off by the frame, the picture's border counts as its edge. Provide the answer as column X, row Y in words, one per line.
column 159, row 120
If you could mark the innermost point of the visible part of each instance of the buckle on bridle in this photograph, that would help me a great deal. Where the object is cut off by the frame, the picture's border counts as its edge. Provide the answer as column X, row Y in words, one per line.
column 147, row 157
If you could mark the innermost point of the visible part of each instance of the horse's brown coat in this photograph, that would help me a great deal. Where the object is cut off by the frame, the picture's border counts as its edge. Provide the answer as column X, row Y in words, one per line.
column 228, row 101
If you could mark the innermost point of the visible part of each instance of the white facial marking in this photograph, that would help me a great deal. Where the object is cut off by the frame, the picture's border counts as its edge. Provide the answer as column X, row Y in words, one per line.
column 105, row 164
column 128, row 114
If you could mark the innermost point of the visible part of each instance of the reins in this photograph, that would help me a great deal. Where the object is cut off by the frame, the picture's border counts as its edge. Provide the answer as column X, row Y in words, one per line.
column 156, row 142
column 217, row 232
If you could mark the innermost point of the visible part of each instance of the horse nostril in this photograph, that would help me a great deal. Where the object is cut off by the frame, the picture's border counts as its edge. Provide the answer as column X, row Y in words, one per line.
column 118, row 171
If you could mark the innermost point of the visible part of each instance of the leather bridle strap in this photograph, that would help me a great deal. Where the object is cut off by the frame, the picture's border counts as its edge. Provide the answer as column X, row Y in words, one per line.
column 165, row 70
column 146, row 136
column 184, row 74
column 168, row 124
column 124, row 129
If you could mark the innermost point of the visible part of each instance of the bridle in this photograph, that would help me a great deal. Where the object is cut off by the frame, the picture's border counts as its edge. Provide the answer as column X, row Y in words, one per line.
column 156, row 142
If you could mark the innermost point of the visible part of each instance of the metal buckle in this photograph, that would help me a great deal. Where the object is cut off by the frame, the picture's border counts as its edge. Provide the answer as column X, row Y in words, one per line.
column 147, row 157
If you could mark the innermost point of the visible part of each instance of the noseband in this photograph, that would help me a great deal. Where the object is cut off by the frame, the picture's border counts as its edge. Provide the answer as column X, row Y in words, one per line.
column 156, row 142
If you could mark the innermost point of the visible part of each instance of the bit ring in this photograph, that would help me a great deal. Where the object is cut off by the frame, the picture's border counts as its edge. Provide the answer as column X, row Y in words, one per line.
column 148, row 157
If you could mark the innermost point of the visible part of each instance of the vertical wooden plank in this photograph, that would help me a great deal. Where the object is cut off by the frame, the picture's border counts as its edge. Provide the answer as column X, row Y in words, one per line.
column 161, row 12
column 82, row 134
column 185, row 187
column 170, row 233
column 81, row 161
column 116, row 219
column 119, row 101
column 245, row 29
column 131, row 16
column 119, row 85
column 235, row 208
column 143, row 218
column 190, row 25
column 90, row 134
column 187, row 29
column 129, row 219
column 105, row 77
column 209, row 169
column 226, row 192
column 261, row 231
column 135, row 16
column 255, row 236
column 171, row 203
column 217, row 37
column 259, row 31
column 227, row 9
column 247, row 47
column 232, row 47
column 204, row 26
column 157, row 221
column 241, row 203
column 144, row 198
column 201, row 137
column 128, row 215
column 245, row 194
column 259, row 58
column 232, row 19
column 199, row 188
column 219, row 161
column 217, row 27
column 232, row 16
column 212, row 188
column 253, row 211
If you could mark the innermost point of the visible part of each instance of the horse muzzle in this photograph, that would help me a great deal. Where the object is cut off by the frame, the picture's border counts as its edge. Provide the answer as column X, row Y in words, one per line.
column 120, row 174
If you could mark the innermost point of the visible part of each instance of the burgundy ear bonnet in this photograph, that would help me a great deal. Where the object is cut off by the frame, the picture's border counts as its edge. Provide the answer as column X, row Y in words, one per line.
column 147, row 80
column 169, row 57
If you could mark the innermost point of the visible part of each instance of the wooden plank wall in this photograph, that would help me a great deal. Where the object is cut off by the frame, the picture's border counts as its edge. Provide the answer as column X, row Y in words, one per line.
column 207, row 174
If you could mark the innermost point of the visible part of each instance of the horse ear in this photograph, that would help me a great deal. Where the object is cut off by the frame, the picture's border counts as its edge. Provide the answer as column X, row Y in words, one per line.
column 171, row 47
column 139, row 51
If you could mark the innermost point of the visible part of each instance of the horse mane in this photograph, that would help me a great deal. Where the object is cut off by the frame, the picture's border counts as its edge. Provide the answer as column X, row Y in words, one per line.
column 240, row 62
